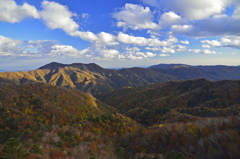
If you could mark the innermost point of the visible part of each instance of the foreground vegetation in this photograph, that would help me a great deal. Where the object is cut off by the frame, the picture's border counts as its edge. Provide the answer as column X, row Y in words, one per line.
column 171, row 120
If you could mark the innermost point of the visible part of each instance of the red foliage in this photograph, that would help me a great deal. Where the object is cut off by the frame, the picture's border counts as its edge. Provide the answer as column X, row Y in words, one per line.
column 67, row 144
column 31, row 156
column 1, row 153
column 54, row 154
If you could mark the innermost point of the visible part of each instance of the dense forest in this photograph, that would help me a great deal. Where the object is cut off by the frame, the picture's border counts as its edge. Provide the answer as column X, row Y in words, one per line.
column 61, row 122
column 142, row 119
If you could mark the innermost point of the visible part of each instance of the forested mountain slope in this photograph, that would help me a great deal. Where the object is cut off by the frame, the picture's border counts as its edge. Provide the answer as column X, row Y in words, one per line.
column 88, row 77
column 95, row 79
column 150, row 104
column 61, row 122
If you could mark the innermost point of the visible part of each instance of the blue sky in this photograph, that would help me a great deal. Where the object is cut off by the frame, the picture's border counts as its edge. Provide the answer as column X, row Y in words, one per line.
column 118, row 33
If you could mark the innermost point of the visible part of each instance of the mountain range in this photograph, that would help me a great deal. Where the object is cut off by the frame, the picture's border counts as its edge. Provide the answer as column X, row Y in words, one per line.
column 164, row 111
column 94, row 79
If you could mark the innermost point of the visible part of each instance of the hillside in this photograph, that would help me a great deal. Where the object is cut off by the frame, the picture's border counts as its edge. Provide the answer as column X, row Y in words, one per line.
column 88, row 77
column 61, row 122
column 153, row 104
column 186, row 119
column 94, row 79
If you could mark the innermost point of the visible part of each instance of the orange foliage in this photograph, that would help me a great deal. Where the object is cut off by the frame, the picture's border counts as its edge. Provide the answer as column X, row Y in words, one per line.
column 94, row 147
column 54, row 154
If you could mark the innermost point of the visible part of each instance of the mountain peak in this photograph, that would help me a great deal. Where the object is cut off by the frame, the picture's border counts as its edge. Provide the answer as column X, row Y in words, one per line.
column 52, row 65
column 90, row 66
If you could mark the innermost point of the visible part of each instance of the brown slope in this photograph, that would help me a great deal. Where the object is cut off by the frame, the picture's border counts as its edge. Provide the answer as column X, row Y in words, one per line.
column 88, row 77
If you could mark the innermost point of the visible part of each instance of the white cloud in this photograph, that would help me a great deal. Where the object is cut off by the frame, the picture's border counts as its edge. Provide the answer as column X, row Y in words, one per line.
column 164, row 55
column 109, row 54
column 106, row 37
column 206, row 46
column 134, row 49
column 182, row 28
column 85, row 15
column 206, row 51
column 135, row 17
column 169, row 19
column 134, row 57
column 87, row 36
column 186, row 42
column 57, row 16
column 191, row 9
column 168, row 50
column 142, row 41
column 171, row 49
column 179, row 48
column 150, row 54
column 153, row 48
column 10, row 47
column 11, row 12
column 211, row 43
column 231, row 41
column 214, row 26
column 66, row 50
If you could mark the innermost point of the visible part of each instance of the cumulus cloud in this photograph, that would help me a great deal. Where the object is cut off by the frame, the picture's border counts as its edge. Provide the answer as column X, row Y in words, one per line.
column 150, row 54
column 231, row 41
column 182, row 28
column 194, row 10
column 203, row 18
column 135, row 17
column 164, row 55
column 171, row 49
column 169, row 19
column 133, row 49
column 226, row 41
column 206, row 46
column 213, row 26
column 211, row 43
column 142, row 41
column 87, row 36
column 57, row 16
column 66, row 50
column 10, row 47
column 206, row 51
column 106, row 37
column 11, row 12
column 186, row 42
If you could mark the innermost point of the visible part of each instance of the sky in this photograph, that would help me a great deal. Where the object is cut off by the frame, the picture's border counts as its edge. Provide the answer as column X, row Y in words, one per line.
column 117, row 33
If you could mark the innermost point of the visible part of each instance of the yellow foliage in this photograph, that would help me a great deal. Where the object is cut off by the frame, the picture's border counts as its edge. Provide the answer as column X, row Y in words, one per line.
column 28, row 130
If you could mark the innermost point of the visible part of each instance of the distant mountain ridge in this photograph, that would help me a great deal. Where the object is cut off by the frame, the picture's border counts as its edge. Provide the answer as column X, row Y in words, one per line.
column 95, row 79
column 169, row 66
